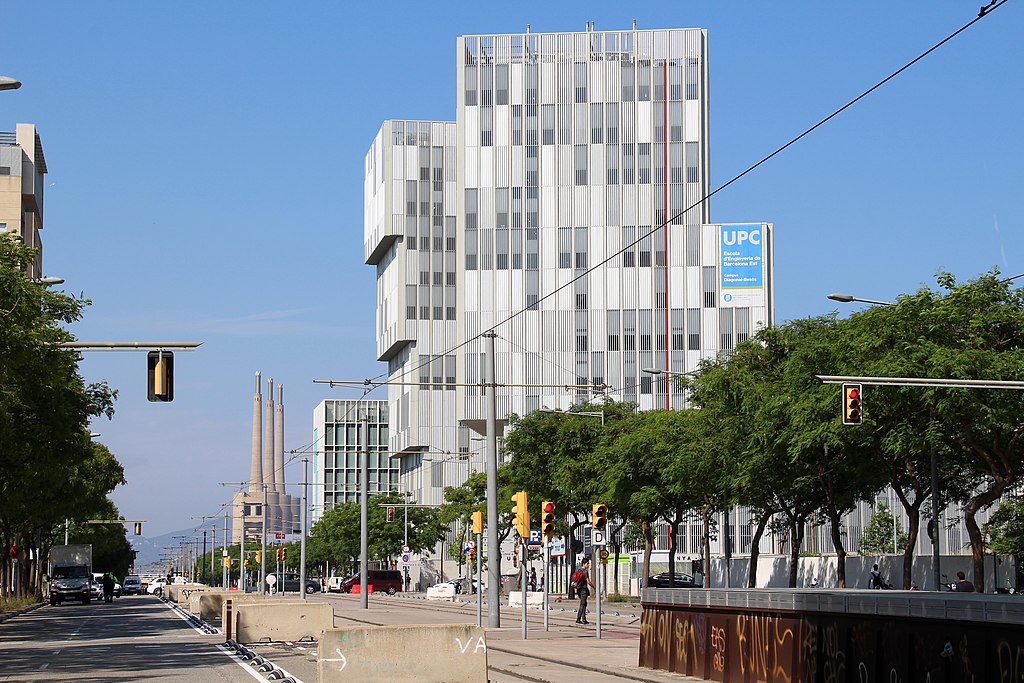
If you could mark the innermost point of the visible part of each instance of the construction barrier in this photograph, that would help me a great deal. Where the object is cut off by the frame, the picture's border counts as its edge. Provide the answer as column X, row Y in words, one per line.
column 211, row 604
column 443, row 592
column 369, row 588
column 455, row 653
column 278, row 621
column 534, row 599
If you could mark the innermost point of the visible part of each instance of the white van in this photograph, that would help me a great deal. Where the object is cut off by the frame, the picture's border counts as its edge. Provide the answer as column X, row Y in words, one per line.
column 334, row 584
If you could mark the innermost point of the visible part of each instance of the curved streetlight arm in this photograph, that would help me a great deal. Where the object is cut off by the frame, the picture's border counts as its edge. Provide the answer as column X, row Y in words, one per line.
column 849, row 298
column 8, row 83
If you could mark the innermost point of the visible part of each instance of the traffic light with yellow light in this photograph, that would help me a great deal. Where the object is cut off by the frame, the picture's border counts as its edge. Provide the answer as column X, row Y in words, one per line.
column 547, row 519
column 478, row 522
column 521, row 514
column 160, row 376
column 599, row 516
column 853, row 404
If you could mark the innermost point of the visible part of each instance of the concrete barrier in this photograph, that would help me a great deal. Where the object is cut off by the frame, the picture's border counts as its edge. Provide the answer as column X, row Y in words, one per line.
column 211, row 605
column 179, row 592
column 445, row 592
column 534, row 599
column 278, row 621
column 455, row 653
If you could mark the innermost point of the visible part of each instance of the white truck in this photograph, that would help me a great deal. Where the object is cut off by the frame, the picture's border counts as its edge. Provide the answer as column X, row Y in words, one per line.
column 70, row 573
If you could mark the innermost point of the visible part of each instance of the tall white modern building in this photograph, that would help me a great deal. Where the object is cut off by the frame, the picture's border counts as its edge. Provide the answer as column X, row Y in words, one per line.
column 564, row 210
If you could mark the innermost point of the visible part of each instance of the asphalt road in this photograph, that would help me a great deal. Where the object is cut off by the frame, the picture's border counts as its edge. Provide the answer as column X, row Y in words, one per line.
column 134, row 638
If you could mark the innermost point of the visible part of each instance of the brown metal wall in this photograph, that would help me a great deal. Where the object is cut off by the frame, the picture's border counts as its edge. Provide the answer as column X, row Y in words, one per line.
column 755, row 646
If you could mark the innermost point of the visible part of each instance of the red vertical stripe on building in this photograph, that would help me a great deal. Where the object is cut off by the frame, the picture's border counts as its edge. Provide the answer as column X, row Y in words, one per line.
column 664, row 171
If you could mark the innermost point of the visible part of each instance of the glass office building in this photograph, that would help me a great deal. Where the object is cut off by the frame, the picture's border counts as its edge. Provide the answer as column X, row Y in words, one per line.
column 564, row 209
column 337, row 443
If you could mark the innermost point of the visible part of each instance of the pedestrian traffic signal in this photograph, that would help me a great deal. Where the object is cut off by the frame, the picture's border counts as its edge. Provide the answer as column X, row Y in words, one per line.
column 160, row 376
column 391, row 514
column 853, row 404
column 521, row 514
column 478, row 522
column 138, row 528
column 599, row 517
column 547, row 519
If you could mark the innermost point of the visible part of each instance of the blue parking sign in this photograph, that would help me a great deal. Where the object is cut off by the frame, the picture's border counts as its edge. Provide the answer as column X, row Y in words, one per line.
column 535, row 540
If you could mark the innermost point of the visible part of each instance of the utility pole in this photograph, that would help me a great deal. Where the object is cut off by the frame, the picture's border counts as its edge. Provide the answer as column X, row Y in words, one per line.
column 493, row 544
column 364, row 513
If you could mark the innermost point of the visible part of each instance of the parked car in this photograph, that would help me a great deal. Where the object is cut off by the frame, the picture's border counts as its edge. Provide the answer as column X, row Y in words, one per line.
column 288, row 582
column 662, row 581
column 132, row 585
column 156, row 586
column 461, row 584
column 386, row 580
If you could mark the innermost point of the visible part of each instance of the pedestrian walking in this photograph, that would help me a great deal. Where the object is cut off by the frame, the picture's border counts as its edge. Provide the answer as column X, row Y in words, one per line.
column 108, row 587
column 582, row 583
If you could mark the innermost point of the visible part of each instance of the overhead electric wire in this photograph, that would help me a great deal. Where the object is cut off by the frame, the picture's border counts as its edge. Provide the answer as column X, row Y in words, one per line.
column 984, row 12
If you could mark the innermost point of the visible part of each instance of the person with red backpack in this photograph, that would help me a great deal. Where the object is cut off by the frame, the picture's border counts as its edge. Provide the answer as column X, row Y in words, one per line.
column 582, row 583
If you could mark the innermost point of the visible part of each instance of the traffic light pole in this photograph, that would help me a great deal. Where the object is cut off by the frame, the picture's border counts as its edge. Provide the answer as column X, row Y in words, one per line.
column 522, row 580
column 364, row 514
column 547, row 570
column 479, row 583
column 597, row 589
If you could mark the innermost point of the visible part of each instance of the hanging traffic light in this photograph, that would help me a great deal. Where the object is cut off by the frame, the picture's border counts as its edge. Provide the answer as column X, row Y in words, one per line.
column 853, row 404
column 547, row 519
column 521, row 514
column 160, row 376
column 599, row 516
column 478, row 522
column 138, row 528
column 391, row 514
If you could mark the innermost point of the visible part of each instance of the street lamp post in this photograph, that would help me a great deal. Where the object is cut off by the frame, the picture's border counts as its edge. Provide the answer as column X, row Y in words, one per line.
column 8, row 83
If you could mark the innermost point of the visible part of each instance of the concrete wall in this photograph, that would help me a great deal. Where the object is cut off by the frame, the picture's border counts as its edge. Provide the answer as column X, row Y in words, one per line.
column 211, row 604
column 278, row 621
column 455, row 653
column 180, row 592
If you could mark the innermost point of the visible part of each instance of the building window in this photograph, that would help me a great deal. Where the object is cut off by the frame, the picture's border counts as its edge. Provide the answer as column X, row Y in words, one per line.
column 581, row 164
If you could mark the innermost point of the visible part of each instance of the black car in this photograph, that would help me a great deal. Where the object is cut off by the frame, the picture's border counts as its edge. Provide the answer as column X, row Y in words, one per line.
column 662, row 581
column 290, row 584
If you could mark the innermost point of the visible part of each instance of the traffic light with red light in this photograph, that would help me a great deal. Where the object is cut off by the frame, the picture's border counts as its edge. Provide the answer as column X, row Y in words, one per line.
column 547, row 519
column 391, row 514
column 853, row 404
column 521, row 514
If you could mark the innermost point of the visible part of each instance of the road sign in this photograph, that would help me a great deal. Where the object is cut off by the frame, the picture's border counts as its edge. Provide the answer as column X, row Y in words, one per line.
column 405, row 559
column 406, row 549
column 598, row 538
column 604, row 553
column 558, row 546
column 471, row 544
column 535, row 540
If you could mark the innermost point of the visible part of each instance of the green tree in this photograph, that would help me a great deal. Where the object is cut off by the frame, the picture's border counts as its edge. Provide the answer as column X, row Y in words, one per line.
column 877, row 537
column 45, row 409
column 1006, row 528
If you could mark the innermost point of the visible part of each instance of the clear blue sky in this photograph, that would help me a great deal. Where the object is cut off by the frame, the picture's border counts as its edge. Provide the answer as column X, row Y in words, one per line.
column 206, row 178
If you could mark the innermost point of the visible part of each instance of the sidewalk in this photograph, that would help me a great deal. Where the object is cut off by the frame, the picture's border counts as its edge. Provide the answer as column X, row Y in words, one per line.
column 567, row 653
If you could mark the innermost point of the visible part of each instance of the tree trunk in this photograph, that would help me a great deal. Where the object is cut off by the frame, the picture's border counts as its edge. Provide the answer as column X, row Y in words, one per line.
column 837, row 543
column 646, row 529
column 980, row 502
column 796, row 537
column 913, row 530
column 673, row 531
column 755, row 550
column 705, row 544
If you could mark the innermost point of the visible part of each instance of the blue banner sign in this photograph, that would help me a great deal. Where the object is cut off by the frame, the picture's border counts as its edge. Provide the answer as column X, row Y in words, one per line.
column 742, row 256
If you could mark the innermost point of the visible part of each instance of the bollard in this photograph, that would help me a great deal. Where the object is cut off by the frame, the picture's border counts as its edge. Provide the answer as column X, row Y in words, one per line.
column 227, row 626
